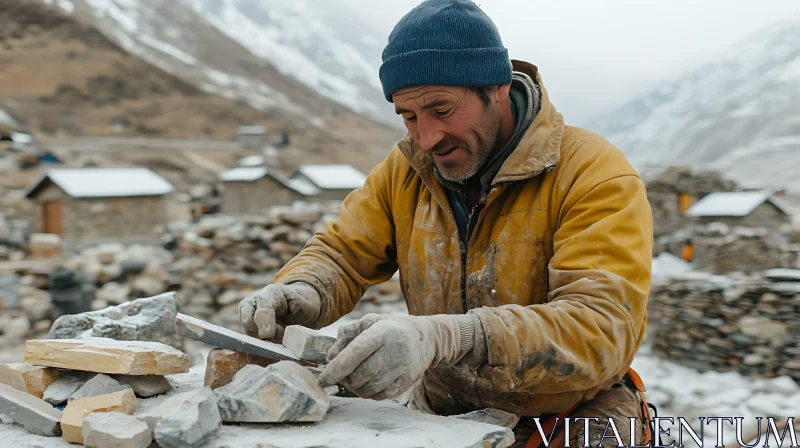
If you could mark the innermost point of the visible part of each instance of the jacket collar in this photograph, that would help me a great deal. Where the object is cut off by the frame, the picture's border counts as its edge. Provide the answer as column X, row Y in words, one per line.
column 538, row 151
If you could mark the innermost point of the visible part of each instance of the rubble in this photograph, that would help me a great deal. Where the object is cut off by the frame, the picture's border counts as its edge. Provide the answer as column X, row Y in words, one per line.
column 281, row 392
column 194, row 424
column 491, row 417
column 222, row 364
column 100, row 384
column 743, row 323
column 32, row 413
column 104, row 355
column 146, row 319
column 145, row 385
column 59, row 392
column 9, row 292
column 77, row 410
column 27, row 378
column 115, row 429
column 308, row 344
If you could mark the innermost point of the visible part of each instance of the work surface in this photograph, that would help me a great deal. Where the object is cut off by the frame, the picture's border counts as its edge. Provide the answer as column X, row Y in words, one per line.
column 350, row 423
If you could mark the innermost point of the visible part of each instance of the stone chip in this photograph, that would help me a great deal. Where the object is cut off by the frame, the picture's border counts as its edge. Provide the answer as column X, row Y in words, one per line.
column 145, row 386
column 103, row 355
column 222, row 364
column 281, row 392
column 115, row 430
column 195, row 423
column 307, row 344
column 77, row 410
column 32, row 413
column 100, row 384
column 59, row 392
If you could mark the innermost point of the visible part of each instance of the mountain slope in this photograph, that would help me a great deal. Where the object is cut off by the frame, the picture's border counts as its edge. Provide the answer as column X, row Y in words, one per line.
column 127, row 67
column 739, row 114
column 316, row 42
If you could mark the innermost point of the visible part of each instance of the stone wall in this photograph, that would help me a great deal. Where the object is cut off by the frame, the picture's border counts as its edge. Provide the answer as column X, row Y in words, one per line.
column 256, row 196
column 766, row 215
column 727, row 323
column 722, row 249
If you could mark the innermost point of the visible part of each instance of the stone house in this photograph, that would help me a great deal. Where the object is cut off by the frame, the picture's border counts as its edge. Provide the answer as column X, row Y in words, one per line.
column 96, row 204
column 741, row 208
column 676, row 190
column 334, row 181
column 247, row 190
column 252, row 137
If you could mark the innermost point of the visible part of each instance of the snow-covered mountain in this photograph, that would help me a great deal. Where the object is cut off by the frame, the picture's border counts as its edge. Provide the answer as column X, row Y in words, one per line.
column 739, row 113
column 317, row 42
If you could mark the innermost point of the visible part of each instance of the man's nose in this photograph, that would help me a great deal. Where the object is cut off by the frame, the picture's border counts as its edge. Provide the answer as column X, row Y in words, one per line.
column 430, row 134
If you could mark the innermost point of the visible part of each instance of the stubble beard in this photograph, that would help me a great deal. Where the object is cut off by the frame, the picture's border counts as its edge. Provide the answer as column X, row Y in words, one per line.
column 477, row 160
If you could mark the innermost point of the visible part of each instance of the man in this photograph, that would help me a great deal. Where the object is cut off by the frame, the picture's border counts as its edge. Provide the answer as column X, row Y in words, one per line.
column 523, row 245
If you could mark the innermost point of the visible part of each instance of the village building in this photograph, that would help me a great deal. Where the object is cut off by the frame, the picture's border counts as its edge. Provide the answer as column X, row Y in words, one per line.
column 741, row 208
column 254, row 189
column 252, row 137
column 334, row 181
column 676, row 190
column 97, row 204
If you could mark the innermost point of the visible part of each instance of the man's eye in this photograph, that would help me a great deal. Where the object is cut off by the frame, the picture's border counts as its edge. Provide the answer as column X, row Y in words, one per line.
column 443, row 113
column 411, row 118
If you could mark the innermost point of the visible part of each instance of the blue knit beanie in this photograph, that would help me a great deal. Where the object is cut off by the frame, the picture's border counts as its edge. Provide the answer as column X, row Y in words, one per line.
column 444, row 43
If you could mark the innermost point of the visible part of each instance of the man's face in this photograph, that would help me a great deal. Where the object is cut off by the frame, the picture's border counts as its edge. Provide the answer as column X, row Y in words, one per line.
column 456, row 128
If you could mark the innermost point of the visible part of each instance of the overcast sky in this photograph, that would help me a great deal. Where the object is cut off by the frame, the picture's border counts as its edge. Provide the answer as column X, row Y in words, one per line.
column 594, row 54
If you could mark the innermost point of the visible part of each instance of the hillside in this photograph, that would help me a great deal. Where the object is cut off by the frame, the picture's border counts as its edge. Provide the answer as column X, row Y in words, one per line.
column 82, row 68
column 739, row 113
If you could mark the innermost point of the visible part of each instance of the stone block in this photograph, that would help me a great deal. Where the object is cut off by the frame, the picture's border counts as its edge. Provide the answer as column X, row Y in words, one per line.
column 32, row 413
column 195, row 423
column 104, row 355
column 72, row 418
column 222, row 364
column 282, row 392
column 28, row 378
column 154, row 414
column 59, row 392
column 307, row 344
column 146, row 319
column 145, row 385
column 100, row 384
column 115, row 430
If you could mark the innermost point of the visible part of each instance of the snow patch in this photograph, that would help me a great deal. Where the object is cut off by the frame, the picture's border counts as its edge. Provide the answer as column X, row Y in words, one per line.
column 171, row 50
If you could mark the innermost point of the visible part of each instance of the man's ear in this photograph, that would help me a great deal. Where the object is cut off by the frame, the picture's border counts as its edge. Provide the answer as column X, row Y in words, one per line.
column 501, row 94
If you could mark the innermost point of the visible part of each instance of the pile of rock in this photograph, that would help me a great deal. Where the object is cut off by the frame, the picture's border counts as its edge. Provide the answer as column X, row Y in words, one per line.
column 223, row 259
column 721, row 249
column 749, row 324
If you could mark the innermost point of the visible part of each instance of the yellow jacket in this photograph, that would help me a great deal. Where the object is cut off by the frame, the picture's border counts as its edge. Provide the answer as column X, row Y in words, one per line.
column 557, row 268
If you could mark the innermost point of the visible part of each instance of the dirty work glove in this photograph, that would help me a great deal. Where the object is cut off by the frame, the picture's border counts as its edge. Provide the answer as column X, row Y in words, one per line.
column 266, row 312
column 381, row 356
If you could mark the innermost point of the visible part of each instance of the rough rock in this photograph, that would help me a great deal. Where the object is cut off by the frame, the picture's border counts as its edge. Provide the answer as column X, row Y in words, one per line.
column 308, row 344
column 77, row 410
column 195, row 423
column 146, row 319
column 492, row 417
column 154, row 414
column 16, row 329
column 9, row 292
column 281, row 392
column 115, row 430
column 28, row 378
column 99, row 385
column 59, row 392
column 114, row 293
column 104, row 355
column 222, row 364
column 145, row 385
column 32, row 413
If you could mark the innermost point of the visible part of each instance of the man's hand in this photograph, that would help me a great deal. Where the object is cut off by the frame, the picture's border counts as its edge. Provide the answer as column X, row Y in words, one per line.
column 266, row 312
column 380, row 357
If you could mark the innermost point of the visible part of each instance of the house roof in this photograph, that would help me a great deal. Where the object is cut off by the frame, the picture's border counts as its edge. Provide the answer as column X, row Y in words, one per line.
column 732, row 204
column 251, row 130
column 104, row 182
column 254, row 160
column 333, row 177
column 250, row 174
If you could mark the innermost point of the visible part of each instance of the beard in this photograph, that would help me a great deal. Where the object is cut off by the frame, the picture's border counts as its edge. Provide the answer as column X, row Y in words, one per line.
column 469, row 168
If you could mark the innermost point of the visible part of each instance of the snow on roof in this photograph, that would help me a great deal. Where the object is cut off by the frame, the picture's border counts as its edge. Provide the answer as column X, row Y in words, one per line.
column 333, row 177
column 105, row 182
column 255, row 160
column 251, row 130
column 249, row 174
column 243, row 174
column 21, row 137
column 732, row 204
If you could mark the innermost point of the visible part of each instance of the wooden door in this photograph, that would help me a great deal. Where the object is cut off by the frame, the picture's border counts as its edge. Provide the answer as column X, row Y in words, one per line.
column 51, row 219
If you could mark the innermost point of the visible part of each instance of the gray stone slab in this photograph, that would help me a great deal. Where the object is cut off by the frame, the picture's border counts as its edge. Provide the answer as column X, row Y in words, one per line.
column 217, row 336
column 32, row 413
column 115, row 430
column 196, row 422
column 308, row 344
column 59, row 392
column 281, row 392
column 100, row 384
column 145, row 386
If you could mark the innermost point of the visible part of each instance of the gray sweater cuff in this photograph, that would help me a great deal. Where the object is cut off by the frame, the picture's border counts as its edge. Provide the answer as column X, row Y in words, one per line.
column 473, row 342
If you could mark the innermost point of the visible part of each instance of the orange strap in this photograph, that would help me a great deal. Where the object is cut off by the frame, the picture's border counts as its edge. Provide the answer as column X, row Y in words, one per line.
column 547, row 426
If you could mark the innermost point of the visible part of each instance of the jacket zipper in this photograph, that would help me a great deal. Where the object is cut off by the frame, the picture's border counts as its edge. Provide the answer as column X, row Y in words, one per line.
column 464, row 245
